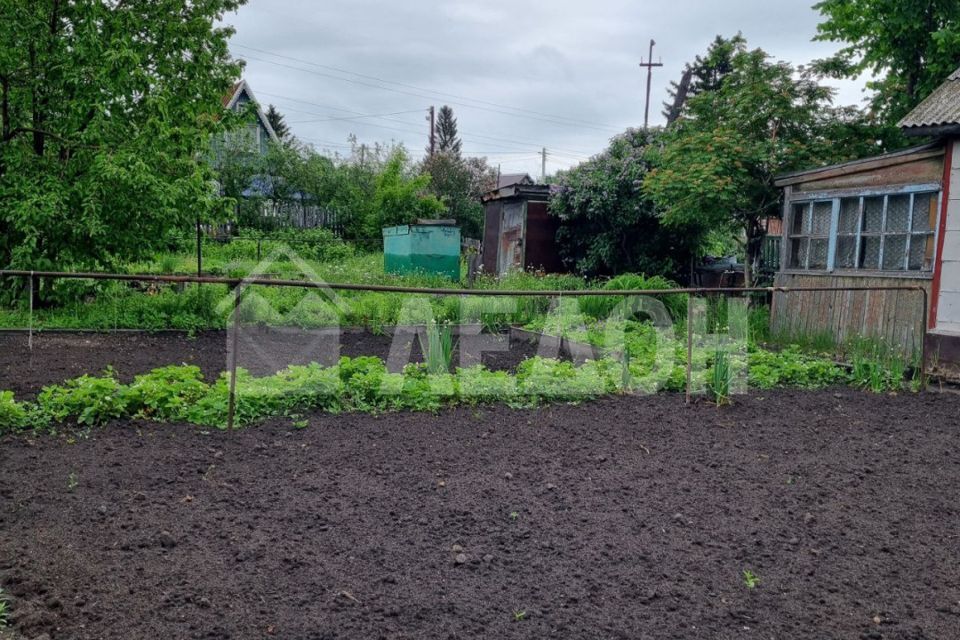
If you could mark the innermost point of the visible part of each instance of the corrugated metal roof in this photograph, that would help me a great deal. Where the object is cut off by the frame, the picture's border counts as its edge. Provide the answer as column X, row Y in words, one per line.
column 941, row 108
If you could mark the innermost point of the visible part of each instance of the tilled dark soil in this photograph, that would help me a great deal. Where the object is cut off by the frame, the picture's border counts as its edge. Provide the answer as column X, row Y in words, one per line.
column 625, row 518
column 59, row 356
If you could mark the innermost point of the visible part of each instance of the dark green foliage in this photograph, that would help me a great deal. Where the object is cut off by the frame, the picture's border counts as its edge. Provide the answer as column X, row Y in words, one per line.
column 447, row 140
column 608, row 225
column 911, row 46
column 717, row 165
column 107, row 107
column 705, row 73
column 601, row 307
column 459, row 184
column 277, row 123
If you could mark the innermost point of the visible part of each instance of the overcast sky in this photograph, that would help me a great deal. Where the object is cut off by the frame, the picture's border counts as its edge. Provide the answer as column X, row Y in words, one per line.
column 519, row 74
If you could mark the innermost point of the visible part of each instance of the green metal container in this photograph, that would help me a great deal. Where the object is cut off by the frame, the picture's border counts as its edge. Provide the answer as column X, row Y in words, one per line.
column 431, row 247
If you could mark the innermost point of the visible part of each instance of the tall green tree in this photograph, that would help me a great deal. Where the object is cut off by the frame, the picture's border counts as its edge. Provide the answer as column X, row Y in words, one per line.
column 716, row 168
column 106, row 111
column 446, row 131
column 277, row 122
column 608, row 225
column 459, row 184
column 911, row 46
column 705, row 73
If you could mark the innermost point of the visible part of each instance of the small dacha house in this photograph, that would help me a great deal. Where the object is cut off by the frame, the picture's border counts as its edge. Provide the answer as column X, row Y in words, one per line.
column 519, row 234
column 888, row 221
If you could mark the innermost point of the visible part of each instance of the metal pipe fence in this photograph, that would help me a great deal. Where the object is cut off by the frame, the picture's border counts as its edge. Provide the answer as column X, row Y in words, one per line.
column 239, row 285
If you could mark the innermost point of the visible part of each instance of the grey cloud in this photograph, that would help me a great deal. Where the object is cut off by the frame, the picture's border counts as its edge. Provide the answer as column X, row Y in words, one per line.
column 577, row 60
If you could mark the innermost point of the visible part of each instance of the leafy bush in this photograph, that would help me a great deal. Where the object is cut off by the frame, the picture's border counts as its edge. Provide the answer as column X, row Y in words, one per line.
column 164, row 394
column 601, row 307
column 792, row 368
column 89, row 400
column 13, row 415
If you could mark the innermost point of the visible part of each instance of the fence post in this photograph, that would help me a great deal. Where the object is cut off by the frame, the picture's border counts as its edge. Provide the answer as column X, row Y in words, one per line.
column 232, row 403
column 30, row 331
column 689, row 346
column 199, row 250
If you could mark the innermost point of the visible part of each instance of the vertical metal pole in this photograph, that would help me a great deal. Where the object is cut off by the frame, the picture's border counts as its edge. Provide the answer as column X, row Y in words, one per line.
column 689, row 347
column 30, row 333
column 232, row 405
column 199, row 250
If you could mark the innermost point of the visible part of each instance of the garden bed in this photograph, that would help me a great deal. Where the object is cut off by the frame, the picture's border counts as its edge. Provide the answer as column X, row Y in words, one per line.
column 59, row 356
column 623, row 518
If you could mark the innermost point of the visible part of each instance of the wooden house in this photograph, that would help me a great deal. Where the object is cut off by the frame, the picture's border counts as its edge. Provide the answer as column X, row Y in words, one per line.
column 888, row 221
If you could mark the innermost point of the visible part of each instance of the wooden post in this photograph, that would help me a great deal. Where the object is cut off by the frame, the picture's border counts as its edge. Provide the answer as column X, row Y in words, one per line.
column 30, row 331
column 232, row 403
column 689, row 347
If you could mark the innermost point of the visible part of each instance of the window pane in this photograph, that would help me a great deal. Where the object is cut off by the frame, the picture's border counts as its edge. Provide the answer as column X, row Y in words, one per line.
column 798, row 253
column 924, row 211
column 818, row 253
column 846, row 252
column 872, row 214
column 894, row 252
column 822, row 212
column 870, row 253
column 921, row 253
column 849, row 215
column 898, row 214
column 799, row 219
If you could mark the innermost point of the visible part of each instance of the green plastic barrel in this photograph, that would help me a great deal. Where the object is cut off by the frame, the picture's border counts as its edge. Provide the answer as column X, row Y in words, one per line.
column 422, row 248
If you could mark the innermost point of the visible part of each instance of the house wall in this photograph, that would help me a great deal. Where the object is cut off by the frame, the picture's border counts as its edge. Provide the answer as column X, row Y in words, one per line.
column 923, row 170
column 948, row 303
column 491, row 237
column 541, row 239
column 893, row 316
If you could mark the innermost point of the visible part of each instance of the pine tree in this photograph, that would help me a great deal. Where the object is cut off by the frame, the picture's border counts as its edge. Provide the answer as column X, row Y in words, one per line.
column 446, row 130
column 275, row 118
column 705, row 73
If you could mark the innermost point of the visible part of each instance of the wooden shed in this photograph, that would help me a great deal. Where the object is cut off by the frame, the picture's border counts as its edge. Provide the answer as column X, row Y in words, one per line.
column 519, row 233
column 888, row 221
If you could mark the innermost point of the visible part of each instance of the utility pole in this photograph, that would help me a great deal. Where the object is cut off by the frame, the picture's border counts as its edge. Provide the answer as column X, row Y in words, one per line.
column 649, row 64
column 543, row 166
column 433, row 131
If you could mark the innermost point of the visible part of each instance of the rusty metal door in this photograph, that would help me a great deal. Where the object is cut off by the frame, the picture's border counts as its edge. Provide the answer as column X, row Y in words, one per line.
column 512, row 232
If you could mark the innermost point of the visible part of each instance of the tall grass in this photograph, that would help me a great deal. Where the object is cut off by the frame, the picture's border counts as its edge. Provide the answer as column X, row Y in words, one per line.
column 438, row 348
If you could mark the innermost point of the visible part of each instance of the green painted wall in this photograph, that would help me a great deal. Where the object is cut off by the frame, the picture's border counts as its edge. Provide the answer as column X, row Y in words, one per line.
column 422, row 249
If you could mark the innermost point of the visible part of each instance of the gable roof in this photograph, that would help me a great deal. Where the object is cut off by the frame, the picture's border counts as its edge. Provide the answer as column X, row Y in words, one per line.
column 510, row 179
column 231, row 97
column 939, row 113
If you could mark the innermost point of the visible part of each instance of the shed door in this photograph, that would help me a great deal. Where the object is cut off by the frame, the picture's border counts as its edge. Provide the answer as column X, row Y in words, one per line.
column 511, row 237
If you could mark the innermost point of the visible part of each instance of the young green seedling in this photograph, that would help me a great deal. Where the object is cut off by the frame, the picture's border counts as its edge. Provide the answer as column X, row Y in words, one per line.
column 751, row 579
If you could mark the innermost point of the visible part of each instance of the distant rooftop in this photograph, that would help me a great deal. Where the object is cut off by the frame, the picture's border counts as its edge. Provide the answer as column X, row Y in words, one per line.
column 510, row 179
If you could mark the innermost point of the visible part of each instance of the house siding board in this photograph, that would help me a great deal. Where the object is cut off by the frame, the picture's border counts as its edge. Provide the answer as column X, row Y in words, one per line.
column 926, row 171
column 894, row 316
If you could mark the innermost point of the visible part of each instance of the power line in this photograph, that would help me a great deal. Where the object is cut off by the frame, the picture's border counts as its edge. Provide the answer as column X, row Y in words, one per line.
column 433, row 91
column 511, row 141
column 469, row 138
column 366, row 115
column 427, row 97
